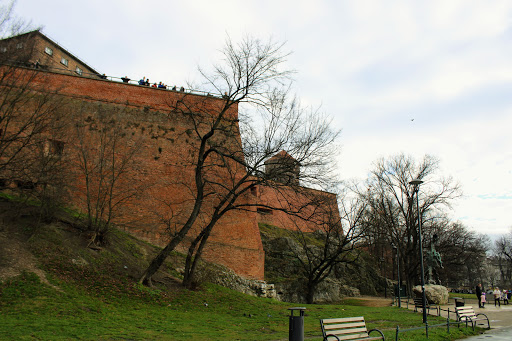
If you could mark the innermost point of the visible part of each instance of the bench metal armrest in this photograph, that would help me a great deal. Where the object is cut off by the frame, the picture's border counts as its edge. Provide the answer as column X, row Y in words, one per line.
column 466, row 319
column 377, row 330
column 331, row 335
column 488, row 321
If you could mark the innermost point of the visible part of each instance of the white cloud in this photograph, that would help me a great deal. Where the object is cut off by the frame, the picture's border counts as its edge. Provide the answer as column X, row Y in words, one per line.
column 374, row 65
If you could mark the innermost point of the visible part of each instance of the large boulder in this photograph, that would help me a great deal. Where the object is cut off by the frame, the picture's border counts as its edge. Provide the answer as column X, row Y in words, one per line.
column 329, row 291
column 436, row 294
column 218, row 274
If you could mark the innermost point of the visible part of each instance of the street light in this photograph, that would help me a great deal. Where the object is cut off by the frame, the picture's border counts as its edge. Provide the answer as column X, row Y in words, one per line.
column 416, row 183
column 398, row 275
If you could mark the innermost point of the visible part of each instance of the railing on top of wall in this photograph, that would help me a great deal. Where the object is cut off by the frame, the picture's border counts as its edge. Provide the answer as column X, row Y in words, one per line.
column 123, row 80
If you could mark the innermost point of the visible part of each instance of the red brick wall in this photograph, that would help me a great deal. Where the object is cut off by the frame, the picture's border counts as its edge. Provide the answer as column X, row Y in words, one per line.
column 162, row 166
column 318, row 206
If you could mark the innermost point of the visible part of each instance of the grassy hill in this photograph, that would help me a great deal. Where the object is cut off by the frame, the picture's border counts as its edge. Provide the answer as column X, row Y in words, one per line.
column 52, row 287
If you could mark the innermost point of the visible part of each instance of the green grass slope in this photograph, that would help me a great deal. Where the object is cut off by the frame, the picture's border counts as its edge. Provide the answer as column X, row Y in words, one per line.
column 54, row 288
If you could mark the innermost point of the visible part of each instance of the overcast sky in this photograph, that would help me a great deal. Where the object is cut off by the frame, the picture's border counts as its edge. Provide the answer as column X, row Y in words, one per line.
column 418, row 77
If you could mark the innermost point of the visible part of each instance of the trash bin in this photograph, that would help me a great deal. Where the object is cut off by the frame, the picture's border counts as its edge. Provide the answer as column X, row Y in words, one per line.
column 296, row 325
column 459, row 302
column 403, row 291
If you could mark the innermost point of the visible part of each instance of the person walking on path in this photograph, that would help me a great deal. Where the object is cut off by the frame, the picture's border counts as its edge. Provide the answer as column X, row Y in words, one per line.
column 479, row 294
column 497, row 296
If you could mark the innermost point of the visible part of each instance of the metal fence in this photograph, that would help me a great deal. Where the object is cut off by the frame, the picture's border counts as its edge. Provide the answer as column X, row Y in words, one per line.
column 124, row 80
column 405, row 302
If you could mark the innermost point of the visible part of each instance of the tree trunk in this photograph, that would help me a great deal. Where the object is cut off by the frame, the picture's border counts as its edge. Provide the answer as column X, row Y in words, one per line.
column 310, row 292
column 156, row 263
column 166, row 251
column 192, row 261
column 189, row 268
column 198, row 203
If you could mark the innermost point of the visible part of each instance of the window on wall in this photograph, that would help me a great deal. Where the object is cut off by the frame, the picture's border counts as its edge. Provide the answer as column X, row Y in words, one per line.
column 54, row 148
column 64, row 61
column 78, row 70
column 48, row 51
column 3, row 49
column 264, row 210
column 25, row 184
column 19, row 45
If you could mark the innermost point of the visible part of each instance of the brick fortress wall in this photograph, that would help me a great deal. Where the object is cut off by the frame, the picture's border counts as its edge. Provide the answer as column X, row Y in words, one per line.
column 308, row 209
column 161, row 167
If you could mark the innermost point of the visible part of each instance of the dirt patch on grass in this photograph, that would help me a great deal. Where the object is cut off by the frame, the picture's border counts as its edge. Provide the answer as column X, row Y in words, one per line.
column 15, row 258
column 370, row 301
column 26, row 244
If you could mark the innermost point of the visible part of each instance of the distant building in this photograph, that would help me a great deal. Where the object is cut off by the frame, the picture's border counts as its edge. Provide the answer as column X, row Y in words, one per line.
column 37, row 50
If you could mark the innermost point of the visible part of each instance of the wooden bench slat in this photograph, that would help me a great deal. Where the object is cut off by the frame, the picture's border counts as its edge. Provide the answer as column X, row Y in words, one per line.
column 344, row 325
column 346, row 328
column 343, row 319
column 364, row 338
column 354, row 337
column 347, row 331
column 467, row 314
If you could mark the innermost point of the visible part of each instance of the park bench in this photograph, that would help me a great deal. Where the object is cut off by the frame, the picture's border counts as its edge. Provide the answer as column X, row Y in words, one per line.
column 418, row 304
column 347, row 328
column 467, row 314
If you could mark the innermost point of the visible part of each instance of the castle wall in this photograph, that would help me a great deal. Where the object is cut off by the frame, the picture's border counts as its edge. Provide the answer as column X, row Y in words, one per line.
column 157, row 190
column 158, row 186
column 310, row 209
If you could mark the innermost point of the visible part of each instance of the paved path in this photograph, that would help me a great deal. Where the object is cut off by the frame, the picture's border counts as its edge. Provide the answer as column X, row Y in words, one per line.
column 501, row 323
column 500, row 317
column 494, row 335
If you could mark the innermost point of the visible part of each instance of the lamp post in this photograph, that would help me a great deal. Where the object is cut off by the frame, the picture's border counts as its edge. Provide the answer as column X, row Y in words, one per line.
column 398, row 275
column 416, row 186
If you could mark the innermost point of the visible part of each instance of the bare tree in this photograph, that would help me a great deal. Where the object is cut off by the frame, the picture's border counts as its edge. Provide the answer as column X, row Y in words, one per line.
column 29, row 114
column 10, row 23
column 463, row 252
column 333, row 240
column 227, row 167
column 392, row 216
column 105, row 157
column 44, row 172
column 503, row 257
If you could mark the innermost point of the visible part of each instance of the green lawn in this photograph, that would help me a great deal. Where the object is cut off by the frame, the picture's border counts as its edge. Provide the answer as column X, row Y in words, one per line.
column 471, row 296
column 92, row 295
column 124, row 311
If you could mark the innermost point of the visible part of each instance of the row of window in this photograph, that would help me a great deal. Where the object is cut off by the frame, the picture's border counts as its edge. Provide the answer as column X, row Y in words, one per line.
column 3, row 49
column 63, row 61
